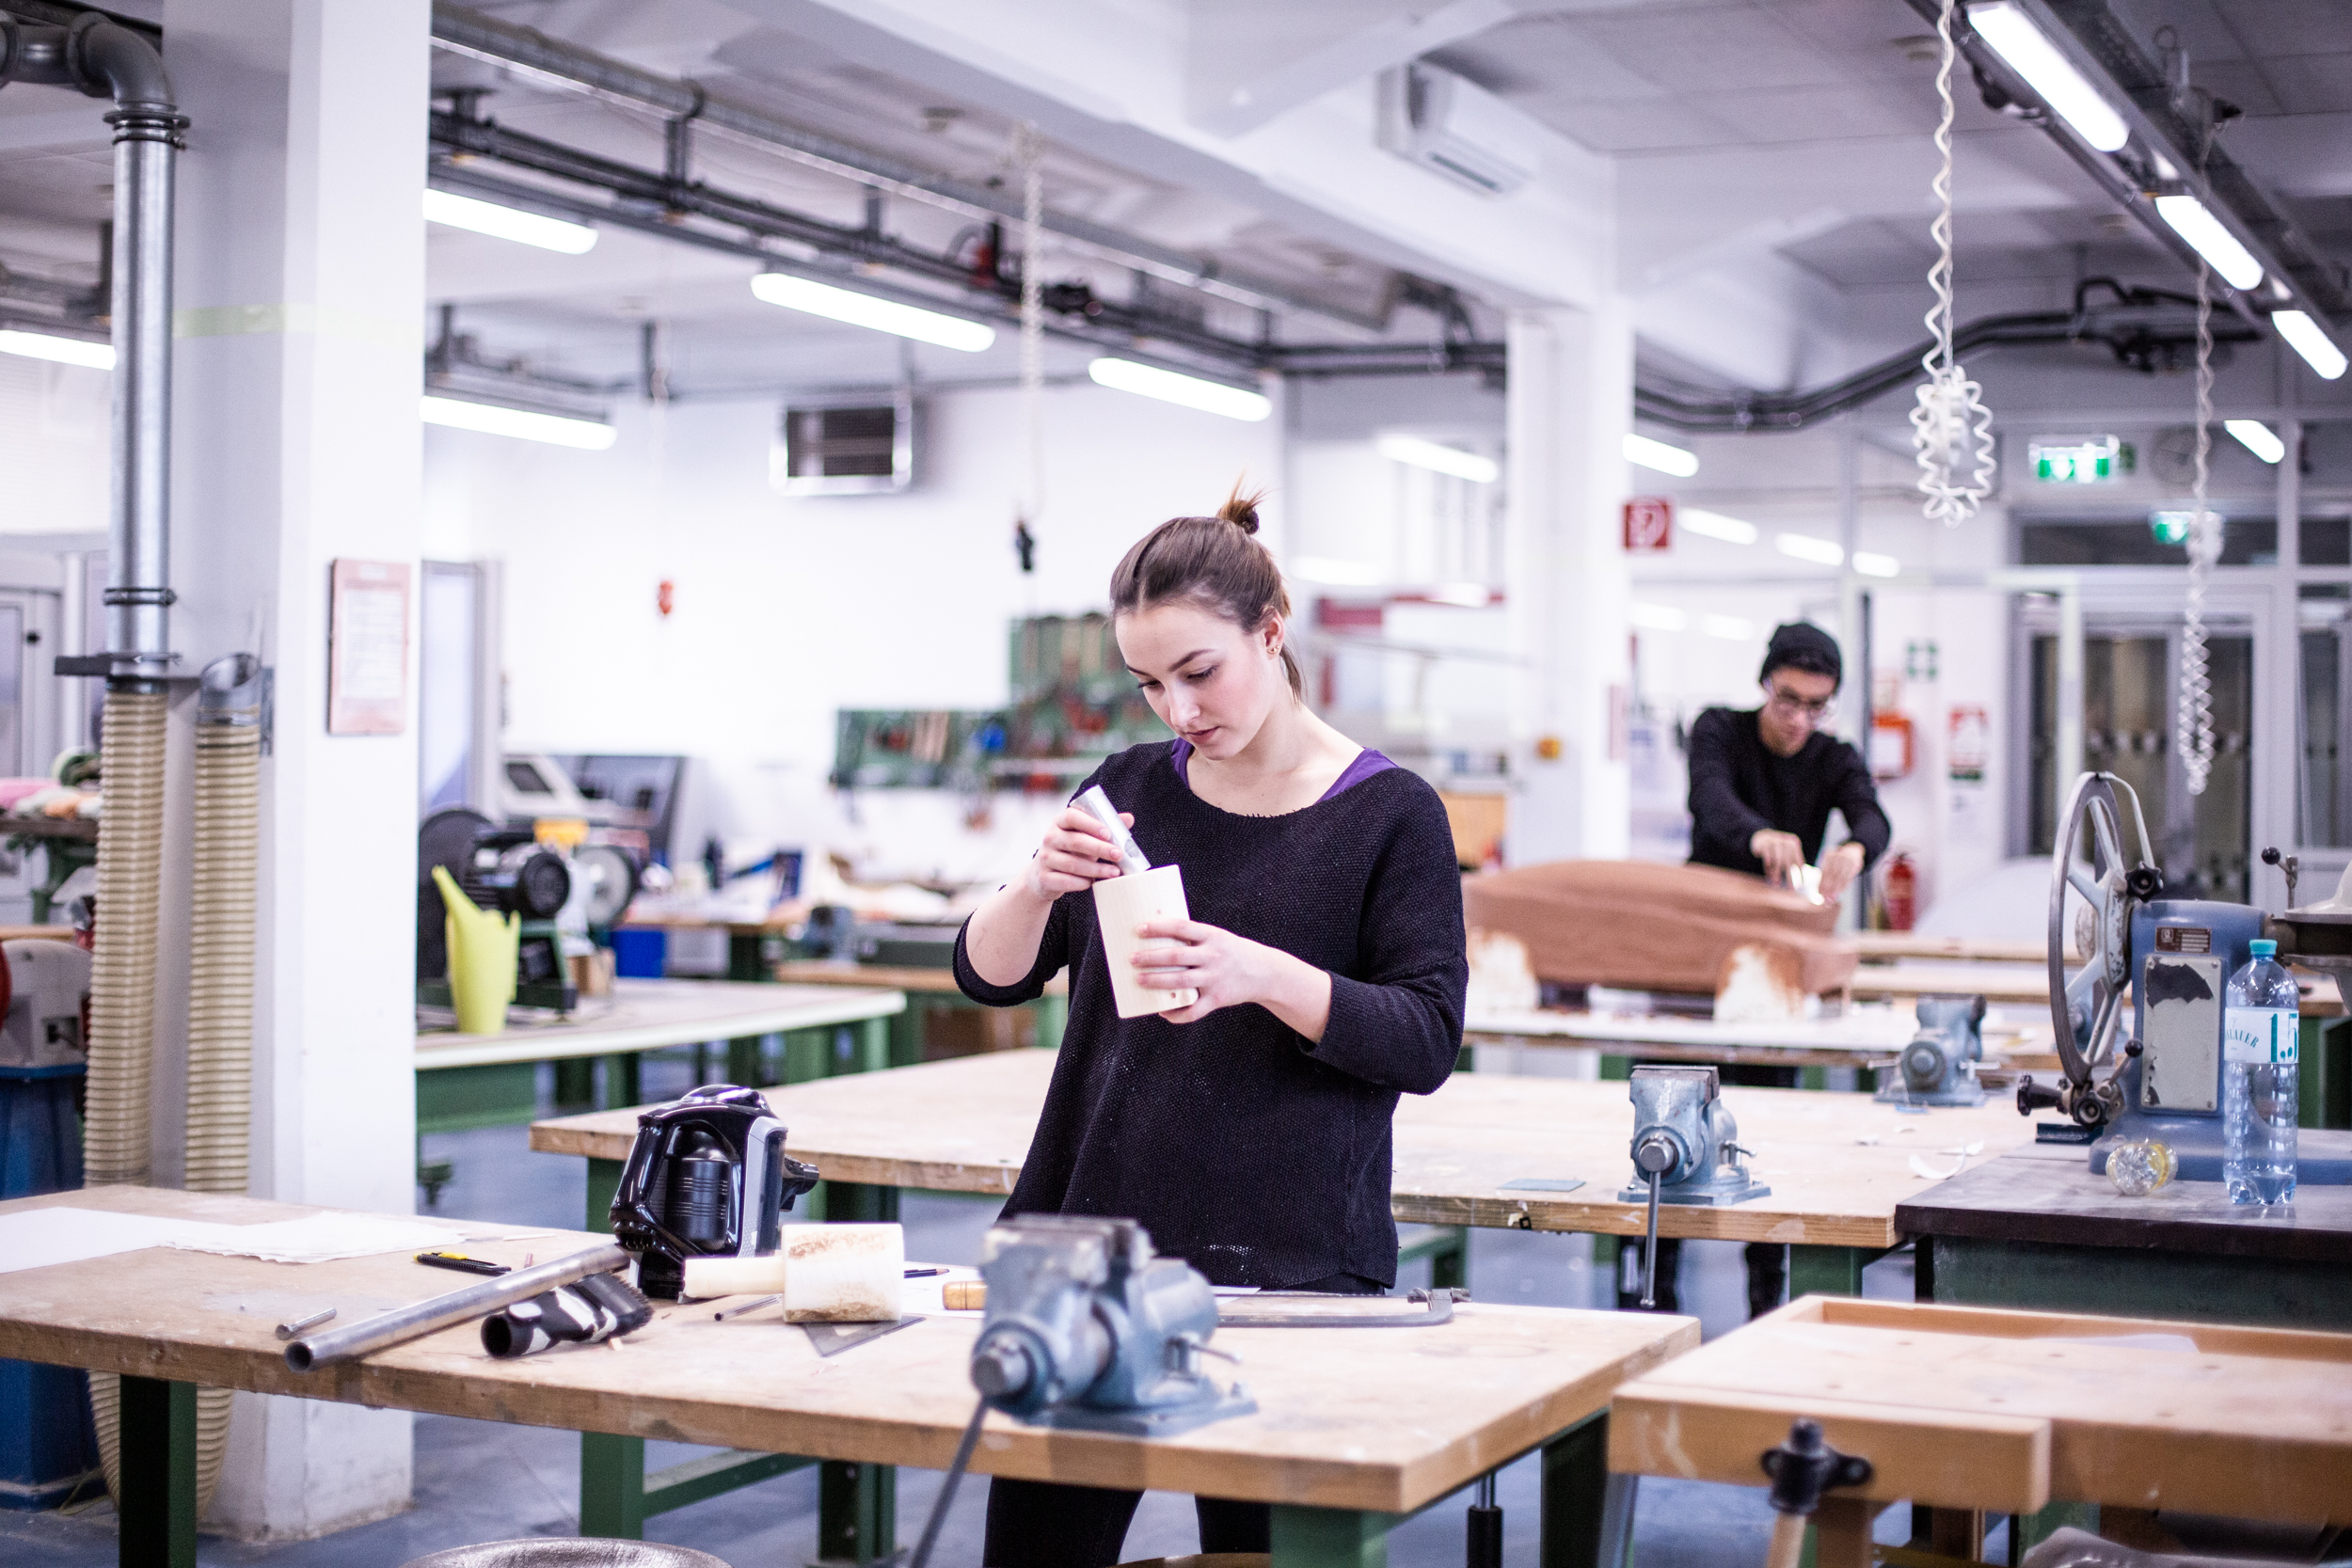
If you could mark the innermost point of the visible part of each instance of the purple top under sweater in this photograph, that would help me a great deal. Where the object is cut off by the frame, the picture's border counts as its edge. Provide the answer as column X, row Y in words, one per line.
column 1367, row 763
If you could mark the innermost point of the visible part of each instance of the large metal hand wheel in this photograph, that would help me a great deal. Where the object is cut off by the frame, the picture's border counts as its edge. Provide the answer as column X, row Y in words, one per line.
column 2087, row 1006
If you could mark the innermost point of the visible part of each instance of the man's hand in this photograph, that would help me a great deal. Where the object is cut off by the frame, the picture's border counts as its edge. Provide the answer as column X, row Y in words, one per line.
column 1839, row 867
column 1781, row 854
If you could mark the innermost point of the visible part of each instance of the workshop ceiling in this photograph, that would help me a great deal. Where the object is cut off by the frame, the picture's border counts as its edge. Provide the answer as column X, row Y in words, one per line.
column 1747, row 139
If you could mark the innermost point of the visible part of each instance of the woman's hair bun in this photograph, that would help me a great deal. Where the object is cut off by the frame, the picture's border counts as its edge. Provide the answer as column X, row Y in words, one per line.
column 1241, row 511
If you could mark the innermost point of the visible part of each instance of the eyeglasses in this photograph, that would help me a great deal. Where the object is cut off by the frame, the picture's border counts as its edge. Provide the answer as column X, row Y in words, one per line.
column 1782, row 700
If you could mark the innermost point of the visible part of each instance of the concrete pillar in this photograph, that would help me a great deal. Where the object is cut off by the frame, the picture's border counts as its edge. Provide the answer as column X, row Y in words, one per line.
column 299, row 315
column 1571, row 403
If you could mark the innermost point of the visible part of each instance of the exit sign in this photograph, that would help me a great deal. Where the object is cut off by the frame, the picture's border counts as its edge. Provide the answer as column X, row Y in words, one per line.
column 2081, row 459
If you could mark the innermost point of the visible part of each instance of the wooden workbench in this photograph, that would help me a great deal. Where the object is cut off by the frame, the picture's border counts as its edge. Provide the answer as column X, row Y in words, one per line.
column 2036, row 1229
column 1851, row 1039
column 1355, row 1428
column 965, row 1126
column 1972, row 1410
column 646, row 1015
column 930, row 989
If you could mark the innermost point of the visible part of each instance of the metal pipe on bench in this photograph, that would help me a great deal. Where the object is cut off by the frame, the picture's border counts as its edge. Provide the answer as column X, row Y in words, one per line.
column 414, row 1321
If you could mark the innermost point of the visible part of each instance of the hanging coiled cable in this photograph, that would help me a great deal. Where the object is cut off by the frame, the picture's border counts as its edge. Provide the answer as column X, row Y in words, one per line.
column 2193, row 721
column 1951, row 430
column 1027, row 151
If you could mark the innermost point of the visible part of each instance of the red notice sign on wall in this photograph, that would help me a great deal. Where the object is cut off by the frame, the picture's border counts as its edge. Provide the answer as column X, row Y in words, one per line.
column 1649, row 523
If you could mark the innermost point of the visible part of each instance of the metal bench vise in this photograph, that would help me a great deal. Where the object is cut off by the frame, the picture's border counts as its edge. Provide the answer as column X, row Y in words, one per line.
column 1686, row 1150
column 1939, row 1066
column 1087, row 1328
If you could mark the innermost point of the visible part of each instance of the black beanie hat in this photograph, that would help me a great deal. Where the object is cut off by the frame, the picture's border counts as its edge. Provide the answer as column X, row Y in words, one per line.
column 1802, row 645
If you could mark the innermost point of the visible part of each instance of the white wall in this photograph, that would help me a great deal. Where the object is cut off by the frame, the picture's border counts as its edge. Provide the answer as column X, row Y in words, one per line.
column 790, row 608
column 53, row 447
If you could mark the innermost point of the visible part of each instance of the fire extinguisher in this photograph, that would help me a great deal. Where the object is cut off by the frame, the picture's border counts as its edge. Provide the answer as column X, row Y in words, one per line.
column 1902, row 892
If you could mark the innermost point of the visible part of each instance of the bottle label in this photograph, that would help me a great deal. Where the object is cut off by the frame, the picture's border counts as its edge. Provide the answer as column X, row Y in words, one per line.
column 2266, row 1036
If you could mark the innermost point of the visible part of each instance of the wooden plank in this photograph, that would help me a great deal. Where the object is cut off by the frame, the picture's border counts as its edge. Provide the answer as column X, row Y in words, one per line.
column 1994, row 982
column 2059, row 1202
column 2251, row 1423
column 1379, row 1419
column 965, row 1126
column 1887, row 946
column 930, row 982
column 646, row 1015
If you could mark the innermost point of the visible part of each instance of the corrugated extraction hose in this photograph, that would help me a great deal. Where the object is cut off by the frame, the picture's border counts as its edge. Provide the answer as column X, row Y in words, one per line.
column 223, row 882
column 115, row 1130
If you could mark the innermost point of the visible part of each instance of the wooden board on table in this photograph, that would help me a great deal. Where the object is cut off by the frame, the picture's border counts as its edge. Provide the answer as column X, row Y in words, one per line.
column 930, row 982
column 1971, row 1407
column 1844, row 1040
column 965, row 1126
column 1994, row 982
column 1886, row 946
column 646, row 1015
column 1385, row 1419
column 2049, row 1195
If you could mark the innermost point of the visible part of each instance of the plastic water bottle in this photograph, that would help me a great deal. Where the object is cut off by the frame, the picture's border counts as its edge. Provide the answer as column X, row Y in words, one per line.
column 2259, row 1072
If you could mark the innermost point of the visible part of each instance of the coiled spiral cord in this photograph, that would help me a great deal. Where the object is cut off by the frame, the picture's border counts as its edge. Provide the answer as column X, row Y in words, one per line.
column 1951, row 430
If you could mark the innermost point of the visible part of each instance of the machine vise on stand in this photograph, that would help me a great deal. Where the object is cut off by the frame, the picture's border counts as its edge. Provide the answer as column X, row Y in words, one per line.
column 2172, row 958
column 1939, row 1066
column 1686, row 1150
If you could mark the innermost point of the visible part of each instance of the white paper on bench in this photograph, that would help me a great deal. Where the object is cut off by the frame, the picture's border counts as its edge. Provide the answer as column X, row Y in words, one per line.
column 35, row 1238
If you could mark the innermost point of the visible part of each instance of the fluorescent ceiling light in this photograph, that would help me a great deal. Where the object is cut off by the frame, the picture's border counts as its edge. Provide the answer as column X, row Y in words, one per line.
column 508, row 223
column 1658, row 455
column 493, row 419
column 2216, row 245
column 1444, row 459
column 2304, row 336
column 882, row 315
column 2053, row 77
column 1657, row 617
column 1714, row 525
column 1210, row 397
column 1871, row 565
column 1805, row 547
column 2257, row 437
column 65, row 351
column 1730, row 628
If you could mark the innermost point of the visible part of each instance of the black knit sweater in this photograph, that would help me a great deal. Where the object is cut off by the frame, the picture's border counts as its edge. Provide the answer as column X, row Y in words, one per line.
column 1257, row 1156
column 1740, row 785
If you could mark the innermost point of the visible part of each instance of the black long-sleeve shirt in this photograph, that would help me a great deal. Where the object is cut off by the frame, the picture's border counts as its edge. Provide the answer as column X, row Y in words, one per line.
column 1257, row 1155
column 1739, row 786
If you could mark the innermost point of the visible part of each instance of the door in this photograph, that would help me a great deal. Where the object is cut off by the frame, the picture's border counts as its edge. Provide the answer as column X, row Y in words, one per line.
column 2130, row 676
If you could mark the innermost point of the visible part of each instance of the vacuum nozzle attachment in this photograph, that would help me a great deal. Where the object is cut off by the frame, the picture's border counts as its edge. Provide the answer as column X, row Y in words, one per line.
column 1098, row 805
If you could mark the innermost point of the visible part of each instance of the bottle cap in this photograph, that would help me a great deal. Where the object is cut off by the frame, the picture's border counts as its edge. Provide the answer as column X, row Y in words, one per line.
column 2263, row 947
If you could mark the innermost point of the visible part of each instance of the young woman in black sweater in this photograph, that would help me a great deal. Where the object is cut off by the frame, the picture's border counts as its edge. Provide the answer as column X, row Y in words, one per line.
column 1250, row 1132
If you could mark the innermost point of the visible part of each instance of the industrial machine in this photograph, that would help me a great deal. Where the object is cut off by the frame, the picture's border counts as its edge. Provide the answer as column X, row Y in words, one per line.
column 1939, row 1066
column 2162, row 963
column 1686, row 1150
column 44, row 997
column 707, row 1177
column 1087, row 1328
column 561, row 896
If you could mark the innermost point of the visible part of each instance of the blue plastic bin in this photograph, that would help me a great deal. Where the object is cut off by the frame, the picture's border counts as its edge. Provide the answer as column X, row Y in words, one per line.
column 47, row 1446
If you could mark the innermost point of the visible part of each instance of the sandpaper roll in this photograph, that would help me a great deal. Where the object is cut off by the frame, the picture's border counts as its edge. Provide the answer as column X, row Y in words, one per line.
column 844, row 1273
column 707, row 1278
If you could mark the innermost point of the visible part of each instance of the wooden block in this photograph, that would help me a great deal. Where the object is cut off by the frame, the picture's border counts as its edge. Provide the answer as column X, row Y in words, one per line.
column 1842, row 1527
column 1943, row 1458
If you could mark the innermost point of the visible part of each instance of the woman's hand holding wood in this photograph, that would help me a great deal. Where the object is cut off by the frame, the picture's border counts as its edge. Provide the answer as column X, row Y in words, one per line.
column 1228, row 970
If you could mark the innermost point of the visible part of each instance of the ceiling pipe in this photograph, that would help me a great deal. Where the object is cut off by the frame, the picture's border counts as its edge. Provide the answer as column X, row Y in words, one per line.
column 2142, row 331
column 102, row 58
column 469, row 33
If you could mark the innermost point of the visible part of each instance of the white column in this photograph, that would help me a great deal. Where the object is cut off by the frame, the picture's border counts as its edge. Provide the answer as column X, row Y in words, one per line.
column 1571, row 403
column 300, row 303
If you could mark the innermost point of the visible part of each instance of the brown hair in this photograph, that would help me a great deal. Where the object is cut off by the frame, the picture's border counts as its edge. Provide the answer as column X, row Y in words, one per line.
column 1215, row 563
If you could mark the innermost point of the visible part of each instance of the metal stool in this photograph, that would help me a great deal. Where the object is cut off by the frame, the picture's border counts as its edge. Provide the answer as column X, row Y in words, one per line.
column 567, row 1551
